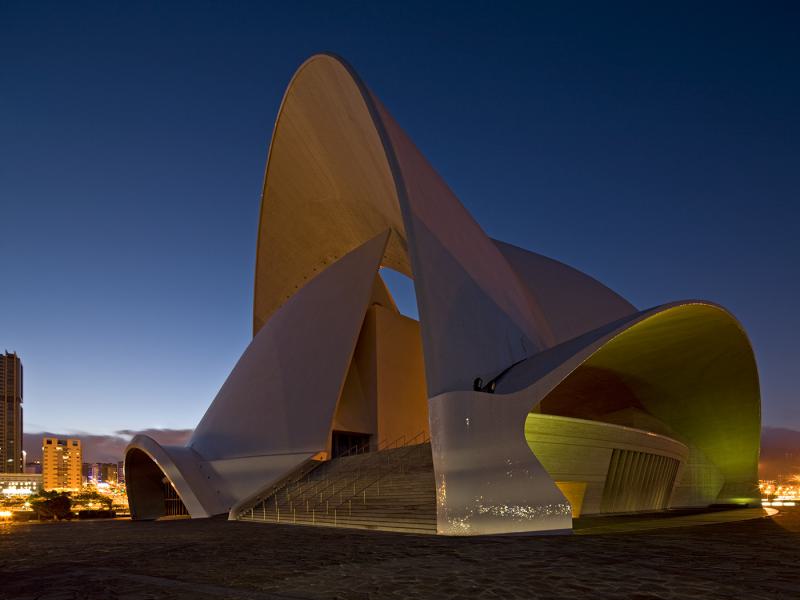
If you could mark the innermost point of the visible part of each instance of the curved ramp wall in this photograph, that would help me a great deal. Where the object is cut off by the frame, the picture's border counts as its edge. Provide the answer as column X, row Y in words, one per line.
column 685, row 370
column 580, row 452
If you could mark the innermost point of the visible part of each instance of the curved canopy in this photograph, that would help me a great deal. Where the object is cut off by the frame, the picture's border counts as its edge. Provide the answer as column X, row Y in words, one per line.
column 327, row 187
column 685, row 369
column 572, row 302
column 340, row 171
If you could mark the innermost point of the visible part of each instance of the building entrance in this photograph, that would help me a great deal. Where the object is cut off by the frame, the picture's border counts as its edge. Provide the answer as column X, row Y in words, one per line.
column 348, row 442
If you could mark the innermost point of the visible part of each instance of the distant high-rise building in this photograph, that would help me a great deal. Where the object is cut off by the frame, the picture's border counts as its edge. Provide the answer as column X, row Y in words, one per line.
column 100, row 472
column 109, row 473
column 10, row 414
column 61, row 464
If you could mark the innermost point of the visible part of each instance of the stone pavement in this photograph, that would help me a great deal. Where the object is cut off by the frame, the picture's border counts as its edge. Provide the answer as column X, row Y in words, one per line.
column 213, row 559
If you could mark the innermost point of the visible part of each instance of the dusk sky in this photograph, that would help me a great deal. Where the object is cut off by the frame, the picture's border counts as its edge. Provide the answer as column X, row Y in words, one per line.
column 654, row 146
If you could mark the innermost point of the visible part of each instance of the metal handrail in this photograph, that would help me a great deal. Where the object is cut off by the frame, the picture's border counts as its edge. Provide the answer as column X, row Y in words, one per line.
column 285, row 484
column 345, row 472
column 315, row 500
column 306, row 468
column 378, row 460
column 344, row 476
column 411, row 447
column 314, row 491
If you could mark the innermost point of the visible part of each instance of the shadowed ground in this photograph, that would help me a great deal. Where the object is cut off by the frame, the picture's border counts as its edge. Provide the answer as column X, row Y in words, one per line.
column 758, row 558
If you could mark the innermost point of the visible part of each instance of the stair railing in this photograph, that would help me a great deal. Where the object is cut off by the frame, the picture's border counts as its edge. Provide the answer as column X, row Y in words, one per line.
column 322, row 498
column 305, row 469
column 320, row 475
column 345, row 477
column 413, row 446
column 316, row 501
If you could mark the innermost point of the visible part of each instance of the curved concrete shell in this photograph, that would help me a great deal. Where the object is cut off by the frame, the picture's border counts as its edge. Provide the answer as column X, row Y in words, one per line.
column 693, row 377
column 503, row 333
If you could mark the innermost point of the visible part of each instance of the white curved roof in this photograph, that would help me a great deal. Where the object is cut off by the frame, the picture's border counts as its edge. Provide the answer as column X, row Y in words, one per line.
column 571, row 301
column 345, row 192
column 340, row 171
column 281, row 396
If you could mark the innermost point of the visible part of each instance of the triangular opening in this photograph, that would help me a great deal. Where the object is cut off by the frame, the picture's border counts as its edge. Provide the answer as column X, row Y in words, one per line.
column 384, row 395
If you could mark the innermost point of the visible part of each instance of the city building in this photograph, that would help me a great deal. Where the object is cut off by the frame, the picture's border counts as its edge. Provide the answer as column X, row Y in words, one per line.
column 526, row 394
column 11, row 414
column 61, row 464
column 109, row 473
column 100, row 472
column 20, row 484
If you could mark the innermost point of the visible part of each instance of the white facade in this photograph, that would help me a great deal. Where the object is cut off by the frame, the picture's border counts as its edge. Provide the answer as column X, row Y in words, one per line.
column 347, row 192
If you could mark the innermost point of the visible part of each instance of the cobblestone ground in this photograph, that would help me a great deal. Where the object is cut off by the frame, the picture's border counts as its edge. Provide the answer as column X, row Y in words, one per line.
column 202, row 560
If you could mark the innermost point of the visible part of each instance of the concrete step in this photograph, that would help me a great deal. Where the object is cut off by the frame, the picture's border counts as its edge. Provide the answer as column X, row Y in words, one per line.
column 419, row 530
column 355, row 492
column 370, row 501
column 419, row 524
column 382, row 503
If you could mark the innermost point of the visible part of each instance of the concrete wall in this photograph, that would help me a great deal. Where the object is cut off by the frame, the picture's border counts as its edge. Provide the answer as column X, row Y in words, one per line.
column 402, row 393
column 575, row 450
column 384, row 393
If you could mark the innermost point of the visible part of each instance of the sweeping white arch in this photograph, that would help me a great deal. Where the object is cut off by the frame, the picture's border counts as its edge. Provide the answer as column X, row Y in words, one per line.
column 339, row 171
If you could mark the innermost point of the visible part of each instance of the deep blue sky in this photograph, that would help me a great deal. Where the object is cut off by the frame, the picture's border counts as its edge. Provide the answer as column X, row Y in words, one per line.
column 655, row 146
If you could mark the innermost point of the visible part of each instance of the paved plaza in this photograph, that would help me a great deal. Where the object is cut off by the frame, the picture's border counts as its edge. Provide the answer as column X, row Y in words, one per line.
column 205, row 559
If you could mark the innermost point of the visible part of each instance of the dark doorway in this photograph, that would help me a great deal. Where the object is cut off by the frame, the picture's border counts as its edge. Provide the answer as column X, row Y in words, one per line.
column 346, row 443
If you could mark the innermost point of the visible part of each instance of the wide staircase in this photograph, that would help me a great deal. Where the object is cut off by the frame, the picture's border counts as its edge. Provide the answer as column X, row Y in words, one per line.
column 391, row 489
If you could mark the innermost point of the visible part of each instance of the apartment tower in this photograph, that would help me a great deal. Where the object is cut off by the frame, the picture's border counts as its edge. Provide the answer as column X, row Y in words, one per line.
column 10, row 413
column 61, row 464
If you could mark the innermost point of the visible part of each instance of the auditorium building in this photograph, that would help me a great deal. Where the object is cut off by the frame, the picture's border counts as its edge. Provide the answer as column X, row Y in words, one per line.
column 526, row 394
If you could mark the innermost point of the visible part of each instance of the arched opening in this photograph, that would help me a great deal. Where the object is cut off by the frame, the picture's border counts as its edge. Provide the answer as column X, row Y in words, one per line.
column 150, row 492
column 665, row 414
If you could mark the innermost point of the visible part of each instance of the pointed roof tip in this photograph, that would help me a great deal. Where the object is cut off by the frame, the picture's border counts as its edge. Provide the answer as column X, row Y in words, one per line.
column 329, row 54
column 337, row 58
column 326, row 55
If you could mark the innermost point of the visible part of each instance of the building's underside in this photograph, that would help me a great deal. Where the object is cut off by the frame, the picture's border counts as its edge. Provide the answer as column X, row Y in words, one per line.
column 543, row 392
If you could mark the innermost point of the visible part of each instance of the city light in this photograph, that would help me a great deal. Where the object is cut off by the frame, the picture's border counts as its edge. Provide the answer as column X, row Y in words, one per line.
column 780, row 494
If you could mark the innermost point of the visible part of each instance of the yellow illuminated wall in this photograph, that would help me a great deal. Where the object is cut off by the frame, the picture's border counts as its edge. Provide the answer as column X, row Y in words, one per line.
column 689, row 373
column 384, row 393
